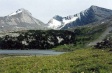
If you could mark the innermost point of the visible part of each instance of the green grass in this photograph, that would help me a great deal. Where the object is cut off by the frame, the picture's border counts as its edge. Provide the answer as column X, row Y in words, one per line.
column 69, row 48
column 65, row 47
column 82, row 60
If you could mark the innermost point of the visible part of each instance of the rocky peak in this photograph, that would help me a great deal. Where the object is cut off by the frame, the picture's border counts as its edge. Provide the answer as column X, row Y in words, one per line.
column 100, row 9
column 57, row 17
column 22, row 10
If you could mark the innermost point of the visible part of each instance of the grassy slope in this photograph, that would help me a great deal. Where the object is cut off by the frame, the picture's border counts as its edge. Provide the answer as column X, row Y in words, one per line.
column 83, row 60
column 84, row 36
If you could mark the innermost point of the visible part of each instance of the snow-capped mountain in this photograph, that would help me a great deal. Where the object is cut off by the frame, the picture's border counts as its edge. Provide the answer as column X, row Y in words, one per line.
column 20, row 20
column 90, row 15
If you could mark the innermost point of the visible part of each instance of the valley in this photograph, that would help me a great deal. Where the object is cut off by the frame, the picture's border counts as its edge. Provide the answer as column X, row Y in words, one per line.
column 79, row 43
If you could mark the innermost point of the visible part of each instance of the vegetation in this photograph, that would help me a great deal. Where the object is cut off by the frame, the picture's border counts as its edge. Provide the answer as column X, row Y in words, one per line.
column 69, row 47
column 38, row 39
column 105, row 44
column 48, row 39
column 79, row 61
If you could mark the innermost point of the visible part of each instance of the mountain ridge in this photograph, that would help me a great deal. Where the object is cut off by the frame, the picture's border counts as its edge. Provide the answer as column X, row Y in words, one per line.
column 90, row 15
column 21, row 19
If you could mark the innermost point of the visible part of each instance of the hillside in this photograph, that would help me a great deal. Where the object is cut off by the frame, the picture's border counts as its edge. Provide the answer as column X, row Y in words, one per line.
column 48, row 39
column 108, row 28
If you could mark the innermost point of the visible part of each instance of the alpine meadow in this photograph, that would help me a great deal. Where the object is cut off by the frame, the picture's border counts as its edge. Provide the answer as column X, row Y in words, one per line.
column 77, row 43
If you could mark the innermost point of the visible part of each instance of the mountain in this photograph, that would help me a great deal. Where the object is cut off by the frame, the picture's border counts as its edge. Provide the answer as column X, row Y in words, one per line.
column 90, row 15
column 20, row 20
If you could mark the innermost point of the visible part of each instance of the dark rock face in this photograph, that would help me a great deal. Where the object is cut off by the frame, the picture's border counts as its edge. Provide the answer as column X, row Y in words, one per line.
column 90, row 15
column 57, row 17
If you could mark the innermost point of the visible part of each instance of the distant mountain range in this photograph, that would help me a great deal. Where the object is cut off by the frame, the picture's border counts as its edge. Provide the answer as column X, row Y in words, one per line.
column 20, row 20
column 23, row 20
column 90, row 15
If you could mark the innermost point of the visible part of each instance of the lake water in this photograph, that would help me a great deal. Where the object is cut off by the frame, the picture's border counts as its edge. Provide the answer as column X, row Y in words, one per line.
column 30, row 52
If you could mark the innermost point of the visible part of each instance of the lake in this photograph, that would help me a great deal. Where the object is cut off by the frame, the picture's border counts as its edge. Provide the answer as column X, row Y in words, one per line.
column 30, row 52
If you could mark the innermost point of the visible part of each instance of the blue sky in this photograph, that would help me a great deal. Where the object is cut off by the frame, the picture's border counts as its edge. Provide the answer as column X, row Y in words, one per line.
column 44, row 10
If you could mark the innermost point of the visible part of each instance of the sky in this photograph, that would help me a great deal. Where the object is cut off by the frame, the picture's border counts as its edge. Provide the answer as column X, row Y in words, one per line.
column 44, row 10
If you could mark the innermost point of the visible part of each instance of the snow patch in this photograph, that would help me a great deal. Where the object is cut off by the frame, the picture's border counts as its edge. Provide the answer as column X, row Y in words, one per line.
column 17, row 12
column 69, row 21
column 79, row 16
column 54, row 24
column 102, row 22
column 60, row 39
